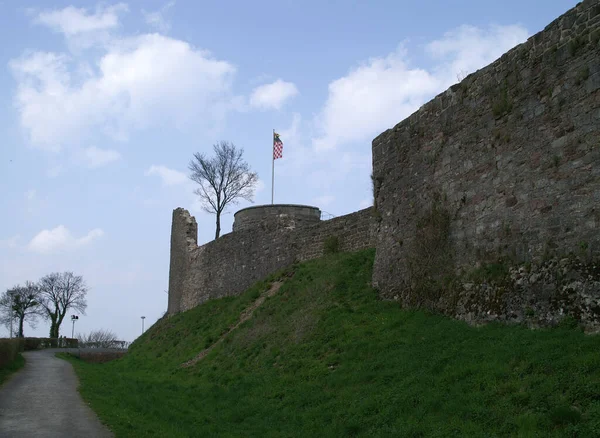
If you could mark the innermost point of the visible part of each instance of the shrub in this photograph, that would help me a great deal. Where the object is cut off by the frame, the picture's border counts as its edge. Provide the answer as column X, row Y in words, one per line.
column 493, row 272
column 575, row 45
column 568, row 323
column 430, row 257
column 331, row 245
column 100, row 339
column 563, row 415
column 582, row 75
column 9, row 348
column 38, row 343
column 32, row 343
column 69, row 342
column 101, row 356
column 502, row 105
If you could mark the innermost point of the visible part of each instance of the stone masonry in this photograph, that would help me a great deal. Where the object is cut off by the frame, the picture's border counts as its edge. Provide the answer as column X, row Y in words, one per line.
column 184, row 239
column 504, row 166
column 229, row 265
column 262, row 216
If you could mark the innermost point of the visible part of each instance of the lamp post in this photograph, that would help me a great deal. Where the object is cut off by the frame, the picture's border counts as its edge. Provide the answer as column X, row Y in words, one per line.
column 73, row 319
column 143, row 317
column 12, row 309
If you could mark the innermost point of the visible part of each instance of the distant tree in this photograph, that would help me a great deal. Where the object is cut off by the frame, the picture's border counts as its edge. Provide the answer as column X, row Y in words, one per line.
column 19, row 304
column 223, row 179
column 7, row 318
column 60, row 292
column 99, row 339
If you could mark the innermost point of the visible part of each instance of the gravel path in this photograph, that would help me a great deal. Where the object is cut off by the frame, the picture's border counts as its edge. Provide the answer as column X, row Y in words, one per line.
column 41, row 400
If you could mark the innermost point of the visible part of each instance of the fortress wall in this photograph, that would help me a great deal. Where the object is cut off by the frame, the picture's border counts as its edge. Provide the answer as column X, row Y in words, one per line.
column 504, row 164
column 184, row 238
column 229, row 265
column 259, row 216
column 487, row 199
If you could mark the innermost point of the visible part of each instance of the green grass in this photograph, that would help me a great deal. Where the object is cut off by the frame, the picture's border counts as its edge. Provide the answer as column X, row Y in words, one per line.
column 11, row 368
column 325, row 357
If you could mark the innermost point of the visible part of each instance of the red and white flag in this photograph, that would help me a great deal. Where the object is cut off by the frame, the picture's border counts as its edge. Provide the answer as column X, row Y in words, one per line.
column 277, row 146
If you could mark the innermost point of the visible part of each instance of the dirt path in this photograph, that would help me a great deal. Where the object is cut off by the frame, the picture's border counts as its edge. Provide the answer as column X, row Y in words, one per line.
column 42, row 400
column 245, row 316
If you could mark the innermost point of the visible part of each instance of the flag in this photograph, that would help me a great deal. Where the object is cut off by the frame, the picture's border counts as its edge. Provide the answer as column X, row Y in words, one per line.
column 277, row 146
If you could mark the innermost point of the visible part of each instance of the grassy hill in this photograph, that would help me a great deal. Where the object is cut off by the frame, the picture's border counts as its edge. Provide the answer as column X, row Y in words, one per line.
column 325, row 357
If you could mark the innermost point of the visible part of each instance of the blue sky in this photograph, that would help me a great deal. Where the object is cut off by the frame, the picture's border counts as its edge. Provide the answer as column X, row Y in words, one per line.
column 103, row 105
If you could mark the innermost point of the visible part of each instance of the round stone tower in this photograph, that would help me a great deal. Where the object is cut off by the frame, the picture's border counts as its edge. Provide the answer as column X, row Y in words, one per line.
column 276, row 216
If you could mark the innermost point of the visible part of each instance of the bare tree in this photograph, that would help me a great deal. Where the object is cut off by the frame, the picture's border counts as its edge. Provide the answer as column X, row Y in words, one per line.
column 99, row 339
column 223, row 179
column 20, row 303
column 59, row 293
column 7, row 317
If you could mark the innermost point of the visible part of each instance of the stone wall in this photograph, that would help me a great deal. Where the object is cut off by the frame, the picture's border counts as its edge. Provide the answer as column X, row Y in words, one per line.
column 229, row 265
column 262, row 216
column 502, row 169
column 184, row 238
column 487, row 199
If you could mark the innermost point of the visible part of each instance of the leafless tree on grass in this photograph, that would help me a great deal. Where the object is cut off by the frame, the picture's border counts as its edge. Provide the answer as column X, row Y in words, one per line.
column 223, row 179
column 59, row 293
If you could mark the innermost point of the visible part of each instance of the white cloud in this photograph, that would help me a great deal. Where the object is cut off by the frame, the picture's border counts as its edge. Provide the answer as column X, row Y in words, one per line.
column 143, row 81
column 82, row 28
column 273, row 95
column 72, row 21
column 59, row 239
column 378, row 93
column 383, row 91
column 469, row 48
column 96, row 157
column 168, row 176
column 30, row 194
column 157, row 19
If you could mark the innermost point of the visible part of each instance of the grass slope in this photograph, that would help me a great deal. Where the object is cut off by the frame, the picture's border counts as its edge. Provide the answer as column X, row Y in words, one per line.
column 325, row 357
column 14, row 366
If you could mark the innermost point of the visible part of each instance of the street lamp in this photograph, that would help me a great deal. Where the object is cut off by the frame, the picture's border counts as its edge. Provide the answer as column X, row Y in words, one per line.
column 12, row 309
column 143, row 317
column 73, row 319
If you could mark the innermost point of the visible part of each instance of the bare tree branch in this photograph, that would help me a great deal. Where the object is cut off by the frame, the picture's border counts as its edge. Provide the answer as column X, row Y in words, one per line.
column 223, row 179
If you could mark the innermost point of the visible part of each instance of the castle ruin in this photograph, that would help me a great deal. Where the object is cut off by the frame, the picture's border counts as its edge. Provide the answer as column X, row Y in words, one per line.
column 487, row 199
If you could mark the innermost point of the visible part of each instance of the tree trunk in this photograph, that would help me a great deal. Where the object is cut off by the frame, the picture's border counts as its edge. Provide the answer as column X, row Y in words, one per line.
column 58, row 323
column 53, row 326
column 21, row 319
column 218, row 231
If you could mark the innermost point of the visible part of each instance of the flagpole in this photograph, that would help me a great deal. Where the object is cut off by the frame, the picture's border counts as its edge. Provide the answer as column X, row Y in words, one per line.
column 272, row 166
